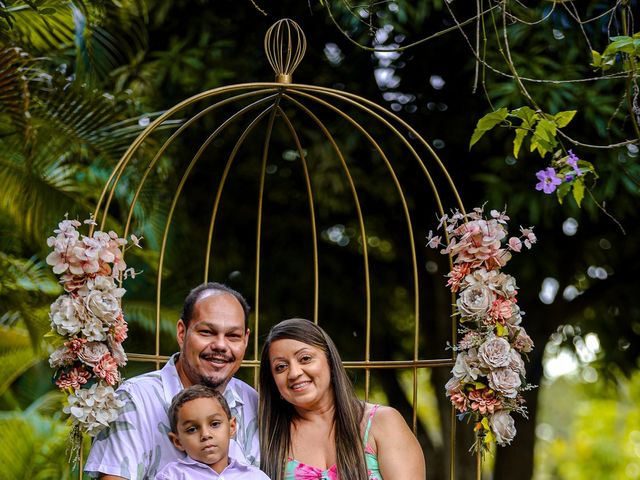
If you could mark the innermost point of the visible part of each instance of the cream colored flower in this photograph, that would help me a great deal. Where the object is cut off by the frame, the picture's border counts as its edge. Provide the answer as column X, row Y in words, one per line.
column 92, row 352
column 505, row 381
column 103, row 305
column 475, row 301
column 495, row 352
column 467, row 366
column 66, row 315
column 503, row 427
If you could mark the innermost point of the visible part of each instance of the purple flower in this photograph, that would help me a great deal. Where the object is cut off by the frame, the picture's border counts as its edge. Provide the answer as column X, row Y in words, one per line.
column 548, row 180
column 572, row 160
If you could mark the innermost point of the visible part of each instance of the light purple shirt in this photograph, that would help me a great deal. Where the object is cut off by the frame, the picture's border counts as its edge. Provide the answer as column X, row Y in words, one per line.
column 137, row 445
column 190, row 469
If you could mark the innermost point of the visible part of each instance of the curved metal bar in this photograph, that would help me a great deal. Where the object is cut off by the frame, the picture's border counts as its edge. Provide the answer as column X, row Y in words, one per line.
column 174, row 202
column 363, row 233
column 124, row 160
column 346, row 97
column 410, row 231
column 223, row 181
column 168, row 143
column 312, row 213
column 265, row 154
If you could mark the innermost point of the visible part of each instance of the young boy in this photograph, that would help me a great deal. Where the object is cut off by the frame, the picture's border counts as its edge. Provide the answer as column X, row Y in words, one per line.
column 201, row 426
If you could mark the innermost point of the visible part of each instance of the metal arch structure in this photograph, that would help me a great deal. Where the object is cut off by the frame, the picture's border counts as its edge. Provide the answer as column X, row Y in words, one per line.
column 263, row 104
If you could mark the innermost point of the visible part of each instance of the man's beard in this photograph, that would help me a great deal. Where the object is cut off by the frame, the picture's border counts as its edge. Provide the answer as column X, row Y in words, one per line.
column 211, row 382
column 215, row 382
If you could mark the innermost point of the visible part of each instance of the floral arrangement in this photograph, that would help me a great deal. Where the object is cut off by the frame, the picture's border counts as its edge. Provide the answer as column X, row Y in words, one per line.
column 489, row 372
column 88, row 325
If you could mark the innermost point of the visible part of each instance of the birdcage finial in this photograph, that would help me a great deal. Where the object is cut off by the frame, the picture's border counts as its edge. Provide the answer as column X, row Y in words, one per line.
column 285, row 45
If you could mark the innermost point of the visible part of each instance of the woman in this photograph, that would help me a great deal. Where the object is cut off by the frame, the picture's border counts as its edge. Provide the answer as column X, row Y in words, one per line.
column 312, row 425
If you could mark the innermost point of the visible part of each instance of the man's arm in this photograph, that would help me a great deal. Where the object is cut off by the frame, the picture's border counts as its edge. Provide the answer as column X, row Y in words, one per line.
column 110, row 477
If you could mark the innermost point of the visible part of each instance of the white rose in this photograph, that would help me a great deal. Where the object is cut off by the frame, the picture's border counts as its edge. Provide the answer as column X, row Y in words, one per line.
column 507, row 285
column 453, row 385
column 105, row 284
column 66, row 315
column 475, row 300
column 92, row 352
column 94, row 330
column 103, row 305
column 503, row 427
column 516, row 316
column 516, row 363
column 466, row 366
column 505, row 381
column 495, row 352
column 61, row 357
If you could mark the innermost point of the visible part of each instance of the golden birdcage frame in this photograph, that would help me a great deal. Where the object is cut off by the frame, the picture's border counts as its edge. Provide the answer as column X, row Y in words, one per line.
column 285, row 46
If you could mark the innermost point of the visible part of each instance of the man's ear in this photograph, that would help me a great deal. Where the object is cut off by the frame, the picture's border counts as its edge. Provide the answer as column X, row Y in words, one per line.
column 181, row 330
column 232, row 426
column 176, row 441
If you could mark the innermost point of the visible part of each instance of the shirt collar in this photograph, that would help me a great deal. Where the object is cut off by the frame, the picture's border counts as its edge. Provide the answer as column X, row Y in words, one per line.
column 232, row 395
column 233, row 463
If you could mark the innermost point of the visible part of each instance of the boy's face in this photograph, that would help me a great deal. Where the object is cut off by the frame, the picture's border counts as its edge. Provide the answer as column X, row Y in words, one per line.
column 204, row 432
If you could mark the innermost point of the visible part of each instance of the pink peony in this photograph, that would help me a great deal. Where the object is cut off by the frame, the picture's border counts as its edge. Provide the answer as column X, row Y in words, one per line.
column 107, row 368
column 501, row 310
column 457, row 274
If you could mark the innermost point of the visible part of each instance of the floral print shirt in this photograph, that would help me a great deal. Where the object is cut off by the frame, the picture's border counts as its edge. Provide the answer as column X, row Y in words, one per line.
column 136, row 445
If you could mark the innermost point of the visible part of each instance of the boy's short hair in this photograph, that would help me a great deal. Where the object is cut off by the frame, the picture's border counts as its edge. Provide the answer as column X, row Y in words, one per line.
column 192, row 393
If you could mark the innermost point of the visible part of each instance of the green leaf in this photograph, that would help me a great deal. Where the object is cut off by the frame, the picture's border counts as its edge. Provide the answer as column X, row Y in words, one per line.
column 562, row 191
column 620, row 44
column 517, row 141
column 526, row 114
column 578, row 190
column 544, row 137
column 486, row 123
column 562, row 119
column 597, row 59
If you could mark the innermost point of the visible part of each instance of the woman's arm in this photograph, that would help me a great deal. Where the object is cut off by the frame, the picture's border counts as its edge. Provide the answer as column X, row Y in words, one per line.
column 399, row 454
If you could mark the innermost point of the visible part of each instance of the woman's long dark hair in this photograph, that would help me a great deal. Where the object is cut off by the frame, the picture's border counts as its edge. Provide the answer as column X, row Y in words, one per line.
column 276, row 414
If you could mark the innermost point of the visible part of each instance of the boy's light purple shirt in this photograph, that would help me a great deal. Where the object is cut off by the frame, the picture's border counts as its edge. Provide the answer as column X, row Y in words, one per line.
column 189, row 469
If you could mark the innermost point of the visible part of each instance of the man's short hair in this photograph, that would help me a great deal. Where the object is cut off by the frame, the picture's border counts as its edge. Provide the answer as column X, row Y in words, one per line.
column 192, row 393
column 196, row 293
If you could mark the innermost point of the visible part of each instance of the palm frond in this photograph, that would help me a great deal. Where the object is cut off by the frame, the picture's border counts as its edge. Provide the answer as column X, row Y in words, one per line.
column 33, row 446
column 14, row 93
column 41, row 28
column 14, row 362
column 36, row 200
column 143, row 314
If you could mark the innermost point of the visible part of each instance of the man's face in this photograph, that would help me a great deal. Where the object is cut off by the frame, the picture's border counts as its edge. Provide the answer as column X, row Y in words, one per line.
column 213, row 346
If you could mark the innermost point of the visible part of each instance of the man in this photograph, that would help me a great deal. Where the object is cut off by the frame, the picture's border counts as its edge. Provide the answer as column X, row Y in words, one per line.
column 213, row 335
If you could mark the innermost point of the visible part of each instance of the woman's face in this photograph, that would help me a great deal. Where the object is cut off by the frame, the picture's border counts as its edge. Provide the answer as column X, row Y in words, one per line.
column 301, row 373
